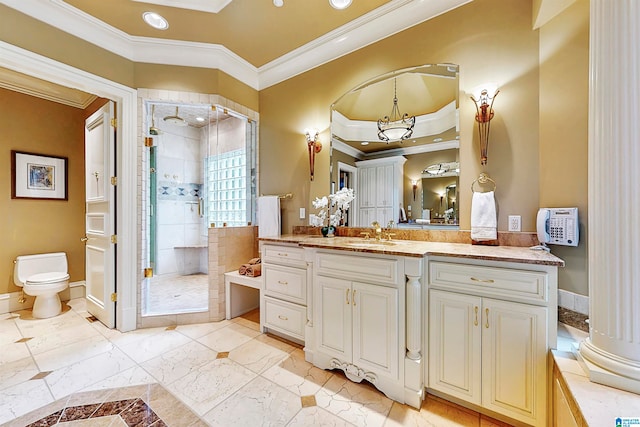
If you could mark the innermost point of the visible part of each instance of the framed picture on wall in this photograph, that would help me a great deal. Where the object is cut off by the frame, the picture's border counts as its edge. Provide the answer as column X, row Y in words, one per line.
column 38, row 176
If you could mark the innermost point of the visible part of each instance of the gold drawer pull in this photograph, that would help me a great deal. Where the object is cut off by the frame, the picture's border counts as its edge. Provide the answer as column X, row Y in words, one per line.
column 482, row 280
column 486, row 310
column 281, row 317
column 282, row 282
column 353, row 298
column 279, row 254
column 475, row 322
column 347, row 296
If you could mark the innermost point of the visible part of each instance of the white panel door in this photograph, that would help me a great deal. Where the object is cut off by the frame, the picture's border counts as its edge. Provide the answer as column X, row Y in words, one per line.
column 455, row 337
column 333, row 317
column 100, row 214
column 514, row 358
column 375, row 328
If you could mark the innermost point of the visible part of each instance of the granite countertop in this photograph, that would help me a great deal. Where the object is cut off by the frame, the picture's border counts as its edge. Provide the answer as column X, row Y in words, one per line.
column 416, row 248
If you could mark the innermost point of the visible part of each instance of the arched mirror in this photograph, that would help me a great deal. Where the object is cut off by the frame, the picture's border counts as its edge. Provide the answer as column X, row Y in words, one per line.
column 388, row 137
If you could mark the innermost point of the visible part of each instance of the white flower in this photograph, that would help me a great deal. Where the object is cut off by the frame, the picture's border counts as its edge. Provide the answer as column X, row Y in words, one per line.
column 339, row 201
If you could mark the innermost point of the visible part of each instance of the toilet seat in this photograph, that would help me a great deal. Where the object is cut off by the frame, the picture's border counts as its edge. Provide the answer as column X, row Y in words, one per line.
column 46, row 278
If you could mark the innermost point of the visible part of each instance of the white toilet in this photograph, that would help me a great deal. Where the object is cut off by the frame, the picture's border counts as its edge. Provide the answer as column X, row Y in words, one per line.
column 42, row 276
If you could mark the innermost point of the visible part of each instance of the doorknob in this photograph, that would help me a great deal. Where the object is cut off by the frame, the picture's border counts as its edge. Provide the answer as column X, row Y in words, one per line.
column 84, row 239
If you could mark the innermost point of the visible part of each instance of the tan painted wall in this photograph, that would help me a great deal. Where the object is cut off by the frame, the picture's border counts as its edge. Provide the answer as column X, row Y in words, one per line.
column 564, row 114
column 492, row 41
column 38, row 226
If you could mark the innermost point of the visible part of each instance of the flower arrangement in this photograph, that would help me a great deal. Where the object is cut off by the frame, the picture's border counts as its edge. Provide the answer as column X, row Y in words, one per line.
column 339, row 202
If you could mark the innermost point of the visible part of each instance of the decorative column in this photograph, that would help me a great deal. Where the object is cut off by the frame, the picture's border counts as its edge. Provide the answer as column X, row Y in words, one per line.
column 612, row 351
column 414, row 319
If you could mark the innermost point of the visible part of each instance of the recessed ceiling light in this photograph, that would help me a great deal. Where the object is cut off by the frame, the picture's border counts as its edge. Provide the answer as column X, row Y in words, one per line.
column 437, row 139
column 364, row 143
column 155, row 20
column 200, row 119
column 340, row 4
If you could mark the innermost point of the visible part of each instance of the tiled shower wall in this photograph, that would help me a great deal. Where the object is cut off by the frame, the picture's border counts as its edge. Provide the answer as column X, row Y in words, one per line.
column 181, row 230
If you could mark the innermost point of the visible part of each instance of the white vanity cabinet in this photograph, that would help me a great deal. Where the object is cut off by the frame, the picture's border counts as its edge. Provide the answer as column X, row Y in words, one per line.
column 284, row 290
column 360, row 307
column 379, row 190
column 490, row 329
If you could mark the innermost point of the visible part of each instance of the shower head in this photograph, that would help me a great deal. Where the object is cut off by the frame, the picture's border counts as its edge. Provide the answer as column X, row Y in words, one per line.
column 175, row 119
column 153, row 130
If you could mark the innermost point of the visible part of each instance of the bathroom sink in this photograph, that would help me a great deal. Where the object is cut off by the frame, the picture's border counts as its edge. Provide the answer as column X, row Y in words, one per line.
column 374, row 244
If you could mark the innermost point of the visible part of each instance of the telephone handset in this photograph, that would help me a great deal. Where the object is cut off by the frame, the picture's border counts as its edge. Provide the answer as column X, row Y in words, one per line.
column 558, row 226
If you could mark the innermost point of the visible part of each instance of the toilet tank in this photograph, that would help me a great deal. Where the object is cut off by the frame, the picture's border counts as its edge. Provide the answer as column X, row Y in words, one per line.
column 28, row 265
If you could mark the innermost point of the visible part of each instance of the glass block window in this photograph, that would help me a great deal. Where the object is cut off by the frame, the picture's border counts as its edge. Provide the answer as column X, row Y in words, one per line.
column 227, row 188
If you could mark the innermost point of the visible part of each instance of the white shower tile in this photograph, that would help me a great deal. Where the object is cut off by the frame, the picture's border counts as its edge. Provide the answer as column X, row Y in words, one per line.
column 193, row 171
column 170, row 236
column 190, row 212
column 167, row 262
column 191, row 234
column 170, row 212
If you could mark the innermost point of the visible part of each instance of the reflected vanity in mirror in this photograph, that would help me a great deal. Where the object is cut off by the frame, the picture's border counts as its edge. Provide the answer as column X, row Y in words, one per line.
column 417, row 110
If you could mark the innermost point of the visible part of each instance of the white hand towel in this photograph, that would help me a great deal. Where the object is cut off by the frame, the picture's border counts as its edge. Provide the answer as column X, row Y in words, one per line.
column 268, row 216
column 484, row 220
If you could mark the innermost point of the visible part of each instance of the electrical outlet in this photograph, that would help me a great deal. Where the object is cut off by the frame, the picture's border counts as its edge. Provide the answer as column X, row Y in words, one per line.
column 302, row 213
column 515, row 223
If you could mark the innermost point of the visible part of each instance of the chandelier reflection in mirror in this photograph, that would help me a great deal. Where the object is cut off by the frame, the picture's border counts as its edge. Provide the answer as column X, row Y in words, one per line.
column 395, row 127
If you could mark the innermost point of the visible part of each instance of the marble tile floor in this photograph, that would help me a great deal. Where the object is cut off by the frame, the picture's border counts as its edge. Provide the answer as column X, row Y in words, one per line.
column 175, row 294
column 71, row 371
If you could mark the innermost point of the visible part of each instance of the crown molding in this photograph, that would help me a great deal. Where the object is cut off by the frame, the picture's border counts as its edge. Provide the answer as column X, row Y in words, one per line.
column 211, row 6
column 393, row 17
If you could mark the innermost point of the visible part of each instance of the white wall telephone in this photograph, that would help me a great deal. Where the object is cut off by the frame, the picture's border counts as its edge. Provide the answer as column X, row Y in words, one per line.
column 558, row 226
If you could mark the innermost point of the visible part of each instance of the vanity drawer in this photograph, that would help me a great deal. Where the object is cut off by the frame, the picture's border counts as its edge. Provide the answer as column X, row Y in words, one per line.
column 289, row 255
column 503, row 283
column 285, row 317
column 288, row 283
column 363, row 268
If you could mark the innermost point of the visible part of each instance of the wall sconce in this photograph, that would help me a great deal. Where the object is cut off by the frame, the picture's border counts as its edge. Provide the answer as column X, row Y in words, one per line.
column 314, row 146
column 414, row 185
column 484, row 114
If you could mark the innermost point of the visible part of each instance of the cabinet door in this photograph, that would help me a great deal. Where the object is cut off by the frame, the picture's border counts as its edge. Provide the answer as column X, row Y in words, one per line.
column 367, row 216
column 386, row 185
column 514, row 359
column 375, row 328
column 367, row 187
column 332, row 317
column 454, row 344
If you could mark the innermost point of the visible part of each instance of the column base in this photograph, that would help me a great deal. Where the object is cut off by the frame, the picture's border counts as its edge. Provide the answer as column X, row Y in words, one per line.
column 608, row 369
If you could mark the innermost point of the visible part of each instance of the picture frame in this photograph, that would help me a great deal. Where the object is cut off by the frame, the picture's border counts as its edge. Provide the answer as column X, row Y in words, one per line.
column 38, row 176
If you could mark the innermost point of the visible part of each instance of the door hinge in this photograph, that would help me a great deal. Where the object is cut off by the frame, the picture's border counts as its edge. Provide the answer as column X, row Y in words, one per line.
column 148, row 272
column 114, row 180
column 114, row 297
column 114, row 238
column 148, row 141
column 114, row 122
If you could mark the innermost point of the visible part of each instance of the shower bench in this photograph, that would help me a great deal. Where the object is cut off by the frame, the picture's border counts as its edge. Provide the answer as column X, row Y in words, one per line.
column 240, row 293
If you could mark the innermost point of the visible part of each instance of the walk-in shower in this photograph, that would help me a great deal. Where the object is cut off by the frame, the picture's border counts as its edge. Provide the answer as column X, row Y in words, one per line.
column 201, row 169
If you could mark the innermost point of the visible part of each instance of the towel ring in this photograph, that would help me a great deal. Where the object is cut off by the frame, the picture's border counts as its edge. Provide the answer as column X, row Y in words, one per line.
column 483, row 179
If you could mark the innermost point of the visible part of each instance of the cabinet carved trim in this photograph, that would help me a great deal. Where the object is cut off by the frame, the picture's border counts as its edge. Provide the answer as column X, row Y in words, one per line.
column 414, row 331
column 354, row 371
